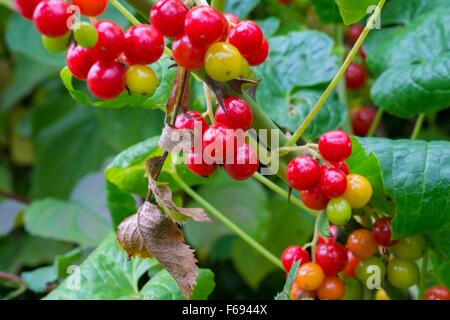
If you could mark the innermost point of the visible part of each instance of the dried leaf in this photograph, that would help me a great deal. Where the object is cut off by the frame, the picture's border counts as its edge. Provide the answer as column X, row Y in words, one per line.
column 149, row 233
column 163, row 196
column 153, row 166
column 175, row 140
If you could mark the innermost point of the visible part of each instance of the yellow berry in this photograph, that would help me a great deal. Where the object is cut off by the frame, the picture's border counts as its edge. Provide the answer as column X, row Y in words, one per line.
column 358, row 192
column 141, row 80
column 223, row 62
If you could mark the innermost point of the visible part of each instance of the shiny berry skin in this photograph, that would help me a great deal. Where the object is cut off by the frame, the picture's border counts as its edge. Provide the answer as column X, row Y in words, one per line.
column 218, row 142
column 247, row 37
column 331, row 257
column 335, row 146
column 350, row 268
column 339, row 211
column 79, row 61
column 382, row 232
column 197, row 164
column 205, row 25
column 244, row 165
column 314, row 199
column 186, row 56
column 355, row 76
column 190, row 121
column 26, row 7
column 50, row 18
column 168, row 17
column 353, row 33
column 231, row 19
column 362, row 119
column 303, row 173
column 86, row 35
column 310, row 276
column 292, row 254
column 258, row 57
column 333, row 182
column 368, row 269
column 437, row 293
column 91, row 8
column 410, row 248
column 56, row 45
column 299, row 294
column 359, row 191
column 110, row 42
column 223, row 62
column 341, row 166
column 362, row 244
column 245, row 70
column 332, row 288
column 141, row 79
column 238, row 114
column 402, row 274
column 106, row 79
column 144, row 44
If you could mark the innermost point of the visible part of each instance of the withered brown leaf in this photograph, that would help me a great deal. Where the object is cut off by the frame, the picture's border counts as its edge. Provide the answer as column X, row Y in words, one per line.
column 149, row 234
column 181, row 139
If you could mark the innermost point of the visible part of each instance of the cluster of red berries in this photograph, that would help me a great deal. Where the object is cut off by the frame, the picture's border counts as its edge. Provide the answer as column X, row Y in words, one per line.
column 222, row 143
column 102, row 54
column 330, row 185
column 204, row 37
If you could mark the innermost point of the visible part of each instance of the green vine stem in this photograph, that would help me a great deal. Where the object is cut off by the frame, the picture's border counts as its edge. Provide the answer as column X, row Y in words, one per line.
column 227, row 222
column 423, row 275
column 218, row 5
column 313, row 243
column 353, row 52
column 418, row 126
column 124, row 11
column 375, row 123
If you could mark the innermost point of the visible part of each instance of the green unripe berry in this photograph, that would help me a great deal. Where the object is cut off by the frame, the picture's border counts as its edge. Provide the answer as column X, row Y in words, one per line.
column 368, row 270
column 339, row 211
column 86, row 35
column 141, row 80
column 402, row 273
column 56, row 45
column 411, row 248
column 353, row 289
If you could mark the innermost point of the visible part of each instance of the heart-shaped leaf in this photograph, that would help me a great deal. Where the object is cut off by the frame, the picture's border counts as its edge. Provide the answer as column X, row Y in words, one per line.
column 352, row 11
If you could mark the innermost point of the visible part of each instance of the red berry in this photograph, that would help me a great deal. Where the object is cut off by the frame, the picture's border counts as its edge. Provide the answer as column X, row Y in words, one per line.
column 186, row 56
column 110, row 42
column 168, row 16
column 341, row 166
column 362, row 53
column 106, row 79
column 362, row 119
column 333, row 182
column 437, row 293
column 218, row 142
column 26, row 7
column 335, row 146
column 355, row 76
column 332, row 257
column 191, row 120
column 144, row 44
column 205, row 25
column 314, row 199
column 382, row 231
column 232, row 20
column 197, row 164
column 244, row 164
column 238, row 114
column 330, row 239
column 350, row 268
column 292, row 254
column 79, row 61
column 303, row 173
column 353, row 33
column 91, row 8
column 259, row 56
column 51, row 17
column 247, row 37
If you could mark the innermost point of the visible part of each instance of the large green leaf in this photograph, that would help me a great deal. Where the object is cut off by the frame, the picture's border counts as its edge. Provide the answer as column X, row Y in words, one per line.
column 108, row 274
column 416, row 176
column 328, row 11
column 10, row 210
column 412, row 78
column 402, row 12
column 241, row 8
column 352, row 11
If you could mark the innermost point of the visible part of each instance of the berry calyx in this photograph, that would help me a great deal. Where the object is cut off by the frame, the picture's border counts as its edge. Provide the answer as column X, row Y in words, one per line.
column 79, row 61
column 355, row 76
column 141, row 79
column 110, row 42
column 333, row 182
column 362, row 244
column 339, row 211
column 331, row 257
column 247, row 37
column 191, row 120
column 310, row 276
column 335, row 146
column 314, row 199
column 197, row 164
column 86, row 35
column 26, row 7
column 205, row 25
column 303, row 173
column 244, row 165
column 359, row 191
column 402, row 274
column 382, row 232
column 186, row 56
column 259, row 56
column 106, row 79
column 237, row 114
column 223, row 62
column 168, row 17
column 91, row 8
column 332, row 288
column 144, row 44
column 437, row 292
column 293, row 254
column 50, row 18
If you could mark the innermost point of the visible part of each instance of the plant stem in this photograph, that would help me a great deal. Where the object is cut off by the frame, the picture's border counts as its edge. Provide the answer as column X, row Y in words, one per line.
column 277, row 189
column 14, row 279
column 423, row 275
column 141, row 6
column 14, row 196
column 376, row 122
column 353, row 52
column 218, row 5
column 418, row 126
column 227, row 222
column 124, row 11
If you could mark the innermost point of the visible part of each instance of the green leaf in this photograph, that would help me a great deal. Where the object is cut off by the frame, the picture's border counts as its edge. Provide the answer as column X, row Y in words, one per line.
column 157, row 101
column 402, row 12
column 38, row 279
column 412, row 78
column 324, row 225
column 63, row 262
column 241, row 8
column 353, row 11
column 328, row 11
column 285, row 294
column 416, row 176
column 269, row 26
column 10, row 210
